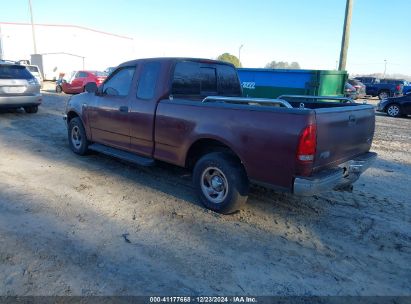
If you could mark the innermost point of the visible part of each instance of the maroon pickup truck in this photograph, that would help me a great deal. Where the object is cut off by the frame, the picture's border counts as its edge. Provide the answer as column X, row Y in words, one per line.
column 190, row 113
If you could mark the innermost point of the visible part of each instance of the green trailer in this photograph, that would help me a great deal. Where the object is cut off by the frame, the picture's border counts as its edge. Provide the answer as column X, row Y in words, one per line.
column 271, row 83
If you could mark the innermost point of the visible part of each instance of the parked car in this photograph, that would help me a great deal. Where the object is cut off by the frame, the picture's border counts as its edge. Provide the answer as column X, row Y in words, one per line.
column 167, row 110
column 393, row 81
column 396, row 106
column 78, row 81
column 406, row 85
column 359, row 87
column 34, row 69
column 59, row 85
column 368, row 79
column 377, row 88
column 350, row 91
column 407, row 88
column 18, row 87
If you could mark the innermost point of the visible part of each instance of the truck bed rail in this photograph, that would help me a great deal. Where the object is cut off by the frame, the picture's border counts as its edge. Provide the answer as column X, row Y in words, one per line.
column 249, row 101
column 315, row 98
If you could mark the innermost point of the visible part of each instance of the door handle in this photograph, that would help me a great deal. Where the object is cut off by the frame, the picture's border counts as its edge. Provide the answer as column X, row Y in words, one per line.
column 123, row 109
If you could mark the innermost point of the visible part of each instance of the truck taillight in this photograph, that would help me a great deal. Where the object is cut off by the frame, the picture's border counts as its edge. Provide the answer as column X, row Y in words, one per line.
column 398, row 88
column 307, row 144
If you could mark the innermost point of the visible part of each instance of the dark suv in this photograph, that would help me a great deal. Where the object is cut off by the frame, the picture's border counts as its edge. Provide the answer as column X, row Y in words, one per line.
column 18, row 87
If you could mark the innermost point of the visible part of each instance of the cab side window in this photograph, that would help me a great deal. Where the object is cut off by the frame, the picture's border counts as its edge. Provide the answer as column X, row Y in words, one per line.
column 120, row 82
column 228, row 80
column 186, row 80
column 194, row 79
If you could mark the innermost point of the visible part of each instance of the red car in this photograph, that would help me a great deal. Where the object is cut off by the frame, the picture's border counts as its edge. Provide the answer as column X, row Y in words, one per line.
column 78, row 81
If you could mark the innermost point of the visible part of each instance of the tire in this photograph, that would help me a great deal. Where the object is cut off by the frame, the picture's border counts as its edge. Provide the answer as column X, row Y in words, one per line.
column 59, row 89
column 393, row 110
column 383, row 94
column 77, row 136
column 31, row 109
column 221, row 182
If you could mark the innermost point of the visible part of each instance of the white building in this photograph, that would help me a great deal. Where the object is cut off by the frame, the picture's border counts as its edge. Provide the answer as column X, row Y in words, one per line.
column 75, row 47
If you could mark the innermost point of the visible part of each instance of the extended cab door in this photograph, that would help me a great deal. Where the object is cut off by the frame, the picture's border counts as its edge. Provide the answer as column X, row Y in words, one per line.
column 109, row 112
column 143, row 108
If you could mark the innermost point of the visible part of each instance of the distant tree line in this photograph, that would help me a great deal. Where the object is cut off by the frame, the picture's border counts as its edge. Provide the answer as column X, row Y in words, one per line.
column 227, row 57
column 282, row 65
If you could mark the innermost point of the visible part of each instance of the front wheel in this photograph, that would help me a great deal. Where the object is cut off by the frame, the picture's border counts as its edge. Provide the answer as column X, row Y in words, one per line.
column 31, row 109
column 77, row 137
column 59, row 89
column 394, row 110
column 221, row 182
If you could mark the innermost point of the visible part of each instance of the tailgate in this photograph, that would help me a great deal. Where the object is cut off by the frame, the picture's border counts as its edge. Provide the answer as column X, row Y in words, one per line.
column 342, row 134
column 13, row 86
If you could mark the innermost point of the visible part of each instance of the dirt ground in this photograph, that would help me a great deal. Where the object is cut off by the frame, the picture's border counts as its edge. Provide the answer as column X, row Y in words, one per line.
column 93, row 225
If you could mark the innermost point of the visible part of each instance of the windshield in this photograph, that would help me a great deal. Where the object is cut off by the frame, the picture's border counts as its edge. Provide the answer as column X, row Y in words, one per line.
column 14, row 72
column 72, row 76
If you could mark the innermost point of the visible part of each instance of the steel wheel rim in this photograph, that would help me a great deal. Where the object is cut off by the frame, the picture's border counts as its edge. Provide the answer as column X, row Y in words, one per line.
column 393, row 110
column 214, row 185
column 383, row 95
column 76, row 137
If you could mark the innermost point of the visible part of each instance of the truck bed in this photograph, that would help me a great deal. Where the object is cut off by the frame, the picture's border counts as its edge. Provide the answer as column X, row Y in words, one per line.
column 344, row 131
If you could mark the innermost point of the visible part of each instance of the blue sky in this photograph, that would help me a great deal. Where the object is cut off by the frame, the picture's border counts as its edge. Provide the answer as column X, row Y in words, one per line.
column 306, row 31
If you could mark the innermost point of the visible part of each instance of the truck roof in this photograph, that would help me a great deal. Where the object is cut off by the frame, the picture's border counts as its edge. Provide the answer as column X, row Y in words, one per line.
column 175, row 59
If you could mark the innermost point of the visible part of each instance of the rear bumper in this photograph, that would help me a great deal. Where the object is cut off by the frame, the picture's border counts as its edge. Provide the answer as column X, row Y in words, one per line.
column 338, row 178
column 20, row 101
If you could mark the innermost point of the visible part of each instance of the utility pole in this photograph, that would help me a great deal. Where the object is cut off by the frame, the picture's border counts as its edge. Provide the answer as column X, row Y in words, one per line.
column 385, row 67
column 32, row 28
column 239, row 52
column 346, row 35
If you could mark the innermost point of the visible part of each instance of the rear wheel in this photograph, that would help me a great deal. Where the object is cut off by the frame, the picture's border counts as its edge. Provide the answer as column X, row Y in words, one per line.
column 59, row 89
column 383, row 95
column 31, row 109
column 394, row 110
column 221, row 182
column 77, row 137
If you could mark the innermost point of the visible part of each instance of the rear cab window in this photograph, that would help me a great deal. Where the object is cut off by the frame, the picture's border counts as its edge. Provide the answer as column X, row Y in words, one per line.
column 198, row 80
column 14, row 72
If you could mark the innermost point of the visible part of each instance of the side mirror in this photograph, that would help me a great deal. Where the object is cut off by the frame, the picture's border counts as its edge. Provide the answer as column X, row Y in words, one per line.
column 91, row 87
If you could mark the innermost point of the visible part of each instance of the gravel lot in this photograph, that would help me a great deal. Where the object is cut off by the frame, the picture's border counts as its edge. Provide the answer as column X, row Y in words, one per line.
column 93, row 225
